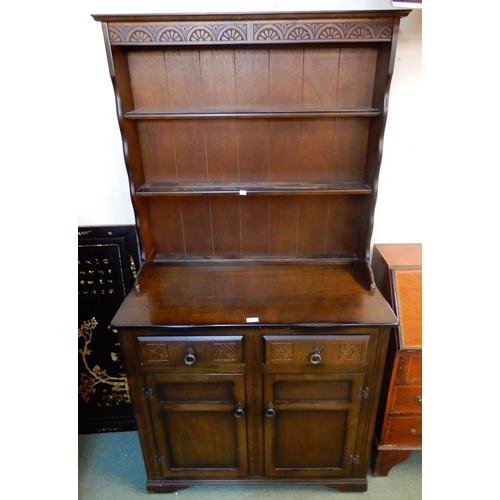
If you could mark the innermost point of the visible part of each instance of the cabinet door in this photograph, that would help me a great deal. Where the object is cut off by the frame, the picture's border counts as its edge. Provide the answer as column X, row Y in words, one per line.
column 310, row 424
column 200, row 424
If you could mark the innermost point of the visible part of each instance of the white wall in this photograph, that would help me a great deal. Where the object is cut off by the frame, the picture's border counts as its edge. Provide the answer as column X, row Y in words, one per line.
column 102, row 188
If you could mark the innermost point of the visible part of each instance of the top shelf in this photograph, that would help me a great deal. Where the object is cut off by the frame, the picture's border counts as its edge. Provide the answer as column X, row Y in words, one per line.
column 194, row 115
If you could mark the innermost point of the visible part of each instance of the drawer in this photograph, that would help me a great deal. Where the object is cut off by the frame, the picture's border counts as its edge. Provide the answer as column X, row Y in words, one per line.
column 189, row 351
column 409, row 367
column 404, row 431
column 407, row 399
column 316, row 349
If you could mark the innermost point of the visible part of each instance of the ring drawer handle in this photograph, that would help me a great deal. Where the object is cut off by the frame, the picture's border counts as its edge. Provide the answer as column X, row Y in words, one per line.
column 240, row 411
column 315, row 357
column 270, row 411
column 190, row 357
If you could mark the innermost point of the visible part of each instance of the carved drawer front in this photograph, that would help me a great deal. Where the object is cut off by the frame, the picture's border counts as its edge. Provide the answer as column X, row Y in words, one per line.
column 191, row 351
column 316, row 349
column 404, row 430
column 409, row 367
column 407, row 399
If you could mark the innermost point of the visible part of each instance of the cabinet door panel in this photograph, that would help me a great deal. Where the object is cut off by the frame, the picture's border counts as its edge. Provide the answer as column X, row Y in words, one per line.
column 199, row 431
column 298, row 447
column 313, row 429
column 190, row 432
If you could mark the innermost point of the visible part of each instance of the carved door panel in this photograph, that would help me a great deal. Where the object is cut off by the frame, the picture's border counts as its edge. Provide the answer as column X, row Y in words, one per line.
column 310, row 424
column 200, row 424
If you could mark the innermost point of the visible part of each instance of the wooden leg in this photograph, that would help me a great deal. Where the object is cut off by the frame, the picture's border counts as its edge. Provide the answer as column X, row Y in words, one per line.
column 384, row 460
column 156, row 487
column 360, row 486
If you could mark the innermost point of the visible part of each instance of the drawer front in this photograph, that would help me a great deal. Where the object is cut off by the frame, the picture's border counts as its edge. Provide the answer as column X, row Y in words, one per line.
column 404, row 431
column 316, row 349
column 407, row 399
column 409, row 367
column 190, row 351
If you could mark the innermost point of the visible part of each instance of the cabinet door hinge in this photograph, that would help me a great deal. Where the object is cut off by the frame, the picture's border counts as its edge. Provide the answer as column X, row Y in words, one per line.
column 158, row 460
column 363, row 393
column 353, row 459
column 147, row 393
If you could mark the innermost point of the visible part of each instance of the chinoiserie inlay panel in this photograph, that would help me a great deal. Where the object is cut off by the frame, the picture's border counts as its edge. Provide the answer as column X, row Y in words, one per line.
column 174, row 33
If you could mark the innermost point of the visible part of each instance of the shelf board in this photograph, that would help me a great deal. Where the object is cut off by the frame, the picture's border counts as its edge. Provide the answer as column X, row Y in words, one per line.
column 196, row 115
column 292, row 293
column 242, row 260
column 252, row 188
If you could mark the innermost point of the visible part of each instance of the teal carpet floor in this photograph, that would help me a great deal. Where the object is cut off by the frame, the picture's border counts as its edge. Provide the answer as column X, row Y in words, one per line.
column 110, row 467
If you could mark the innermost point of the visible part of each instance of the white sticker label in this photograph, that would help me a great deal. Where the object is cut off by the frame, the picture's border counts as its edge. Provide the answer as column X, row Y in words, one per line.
column 252, row 320
column 243, row 192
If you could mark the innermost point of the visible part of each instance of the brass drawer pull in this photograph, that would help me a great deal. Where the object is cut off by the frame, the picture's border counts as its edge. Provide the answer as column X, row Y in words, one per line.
column 190, row 357
column 315, row 357
column 270, row 411
column 413, row 432
column 418, row 399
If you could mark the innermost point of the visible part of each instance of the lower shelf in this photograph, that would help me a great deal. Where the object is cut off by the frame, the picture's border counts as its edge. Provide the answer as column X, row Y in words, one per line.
column 315, row 294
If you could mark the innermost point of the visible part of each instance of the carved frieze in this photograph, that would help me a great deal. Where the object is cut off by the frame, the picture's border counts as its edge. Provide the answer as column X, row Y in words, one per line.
column 175, row 33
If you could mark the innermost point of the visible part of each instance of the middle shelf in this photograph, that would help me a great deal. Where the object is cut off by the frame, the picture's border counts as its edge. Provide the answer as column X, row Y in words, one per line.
column 249, row 188
column 367, row 112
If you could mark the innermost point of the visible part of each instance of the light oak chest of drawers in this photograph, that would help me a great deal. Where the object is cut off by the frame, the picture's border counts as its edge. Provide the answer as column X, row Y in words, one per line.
column 398, row 273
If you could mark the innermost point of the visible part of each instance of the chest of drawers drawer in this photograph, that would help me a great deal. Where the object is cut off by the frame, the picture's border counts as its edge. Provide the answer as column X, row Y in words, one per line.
column 409, row 367
column 407, row 399
column 405, row 430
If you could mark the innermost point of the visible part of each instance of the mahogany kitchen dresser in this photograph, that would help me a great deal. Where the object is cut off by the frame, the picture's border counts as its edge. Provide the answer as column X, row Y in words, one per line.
column 255, row 339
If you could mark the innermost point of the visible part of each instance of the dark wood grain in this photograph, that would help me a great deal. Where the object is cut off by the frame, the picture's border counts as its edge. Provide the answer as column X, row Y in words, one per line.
column 254, row 114
column 157, row 142
column 183, row 80
column 174, row 189
column 377, row 14
column 176, row 295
